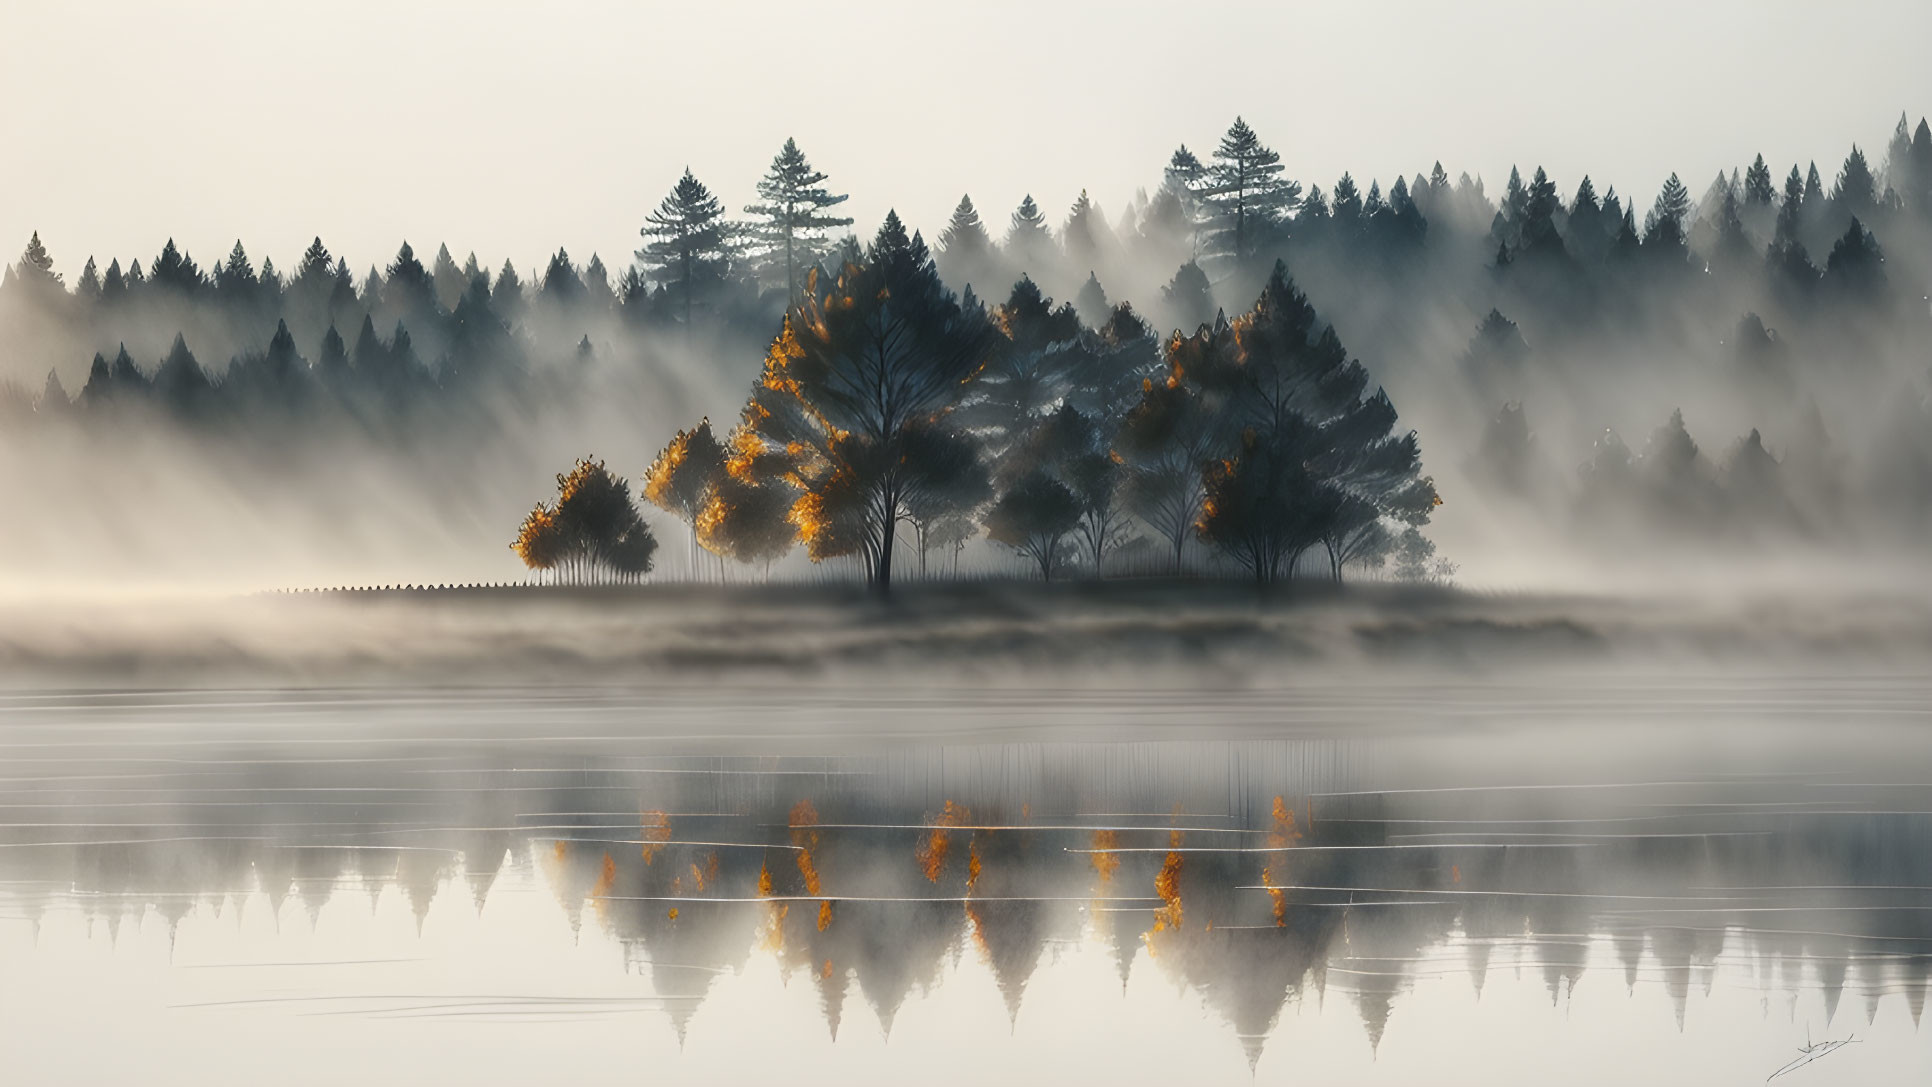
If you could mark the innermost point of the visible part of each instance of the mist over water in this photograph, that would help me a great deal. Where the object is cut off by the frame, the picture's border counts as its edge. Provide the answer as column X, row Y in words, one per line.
column 1338, row 882
column 1254, row 621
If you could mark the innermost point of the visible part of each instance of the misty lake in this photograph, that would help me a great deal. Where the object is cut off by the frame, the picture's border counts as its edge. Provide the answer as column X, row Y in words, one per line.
column 1673, row 880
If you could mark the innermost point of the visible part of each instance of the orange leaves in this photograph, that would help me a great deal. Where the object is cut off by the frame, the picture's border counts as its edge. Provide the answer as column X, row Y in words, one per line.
column 932, row 849
column 537, row 543
column 1283, row 834
column 1168, row 886
column 656, row 831
column 824, row 916
column 1105, row 864
column 1278, row 894
column 803, row 817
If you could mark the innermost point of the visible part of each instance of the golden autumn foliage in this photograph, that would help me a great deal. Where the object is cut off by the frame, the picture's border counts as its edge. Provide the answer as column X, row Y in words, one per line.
column 655, row 830
column 801, row 820
column 931, row 849
column 592, row 530
column 1105, row 863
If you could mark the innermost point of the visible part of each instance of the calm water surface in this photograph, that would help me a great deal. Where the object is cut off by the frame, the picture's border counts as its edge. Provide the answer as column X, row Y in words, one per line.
column 1680, row 880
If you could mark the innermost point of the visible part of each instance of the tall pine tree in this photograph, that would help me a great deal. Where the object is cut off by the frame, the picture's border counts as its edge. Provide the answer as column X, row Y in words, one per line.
column 691, row 245
column 791, row 213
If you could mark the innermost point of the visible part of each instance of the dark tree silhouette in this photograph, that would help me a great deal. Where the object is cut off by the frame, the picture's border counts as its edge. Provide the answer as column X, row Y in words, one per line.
column 591, row 532
column 790, row 216
column 864, row 367
column 1034, row 518
column 691, row 245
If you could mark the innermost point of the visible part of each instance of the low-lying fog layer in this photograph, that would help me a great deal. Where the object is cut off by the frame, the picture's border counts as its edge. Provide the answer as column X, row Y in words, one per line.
column 1185, row 635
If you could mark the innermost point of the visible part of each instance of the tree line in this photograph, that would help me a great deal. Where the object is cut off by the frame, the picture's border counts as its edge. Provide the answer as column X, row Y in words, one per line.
column 1065, row 431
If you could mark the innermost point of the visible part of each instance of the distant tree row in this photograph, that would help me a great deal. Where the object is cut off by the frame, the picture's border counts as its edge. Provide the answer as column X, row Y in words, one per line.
column 1073, row 433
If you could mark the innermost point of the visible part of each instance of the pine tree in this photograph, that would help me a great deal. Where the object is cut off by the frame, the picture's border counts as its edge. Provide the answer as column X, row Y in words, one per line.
column 283, row 364
column 53, row 396
column 270, row 284
column 235, row 279
column 1856, row 266
column 113, row 284
column 175, row 270
column 180, row 382
column 1249, row 196
column 371, row 357
column 332, row 358
column 1758, row 190
column 1538, row 235
column 1586, row 234
column 561, row 283
column 790, row 215
column 89, row 288
column 1515, row 199
column 1664, row 227
column 1791, row 211
column 1087, row 239
column 1189, row 298
column 690, row 250
column 1733, row 248
column 317, row 266
column 407, row 286
column 507, row 297
column 1855, row 191
column 36, row 267
column 1345, row 206
column 1029, row 241
column 342, row 290
column 597, row 289
column 449, row 280
column 966, row 252
column 1091, row 303
column 1186, row 181
column 965, row 236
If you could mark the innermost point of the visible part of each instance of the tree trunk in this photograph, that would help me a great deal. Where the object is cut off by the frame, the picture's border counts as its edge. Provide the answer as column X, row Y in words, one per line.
column 883, row 575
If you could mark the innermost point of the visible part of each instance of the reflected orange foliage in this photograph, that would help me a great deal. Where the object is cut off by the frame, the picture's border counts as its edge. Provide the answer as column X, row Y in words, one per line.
column 600, row 891
column 810, row 871
column 1168, row 886
column 824, row 916
column 1278, row 895
column 656, row 831
column 1104, row 863
column 932, row 849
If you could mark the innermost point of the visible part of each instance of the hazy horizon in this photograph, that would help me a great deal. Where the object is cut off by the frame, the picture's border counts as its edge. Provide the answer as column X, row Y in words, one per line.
column 509, row 131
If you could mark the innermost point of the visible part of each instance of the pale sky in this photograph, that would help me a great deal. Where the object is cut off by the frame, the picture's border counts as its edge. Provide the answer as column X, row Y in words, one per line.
column 510, row 128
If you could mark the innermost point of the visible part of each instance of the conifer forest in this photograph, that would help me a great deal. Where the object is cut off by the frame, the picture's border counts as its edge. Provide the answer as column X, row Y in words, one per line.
column 1241, row 374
